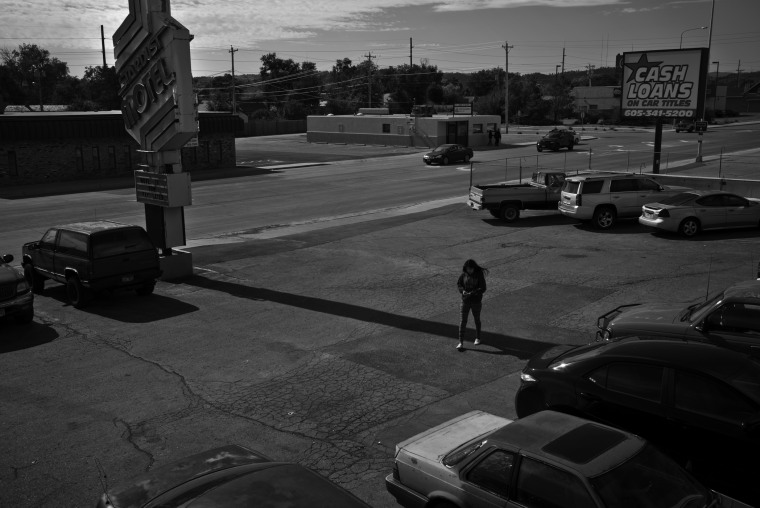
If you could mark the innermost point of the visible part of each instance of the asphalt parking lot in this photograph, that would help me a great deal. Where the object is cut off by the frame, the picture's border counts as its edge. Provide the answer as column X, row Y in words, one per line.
column 324, row 346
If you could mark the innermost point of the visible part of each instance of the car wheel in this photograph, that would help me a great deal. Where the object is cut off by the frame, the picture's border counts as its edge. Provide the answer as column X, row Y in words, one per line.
column 570, row 147
column 539, row 149
column 34, row 280
column 25, row 317
column 677, row 131
column 445, row 161
column 604, row 217
column 466, row 158
column 689, row 227
column 147, row 289
column 509, row 213
column 77, row 294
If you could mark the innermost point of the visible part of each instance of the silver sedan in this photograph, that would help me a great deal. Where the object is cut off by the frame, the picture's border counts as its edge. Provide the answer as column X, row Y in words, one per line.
column 690, row 212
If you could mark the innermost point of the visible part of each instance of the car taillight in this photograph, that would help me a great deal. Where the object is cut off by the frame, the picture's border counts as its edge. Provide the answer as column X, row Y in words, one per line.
column 578, row 200
column 663, row 213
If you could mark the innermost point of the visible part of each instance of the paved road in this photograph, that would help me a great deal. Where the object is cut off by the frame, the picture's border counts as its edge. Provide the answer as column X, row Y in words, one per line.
column 325, row 342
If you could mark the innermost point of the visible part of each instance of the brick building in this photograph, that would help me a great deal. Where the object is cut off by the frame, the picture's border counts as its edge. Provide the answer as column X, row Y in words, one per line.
column 54, row 147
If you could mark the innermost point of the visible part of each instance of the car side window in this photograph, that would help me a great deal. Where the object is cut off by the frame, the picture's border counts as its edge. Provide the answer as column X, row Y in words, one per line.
column 714, row 200
column 48, row 239
column 636, row 380
column 542, row 486
column 626, row 185
column 737, row 318
column 731, row 200
column 592, row 187
column 73, row 243
column 493, row 473
column 646, row 184
column 710, row 397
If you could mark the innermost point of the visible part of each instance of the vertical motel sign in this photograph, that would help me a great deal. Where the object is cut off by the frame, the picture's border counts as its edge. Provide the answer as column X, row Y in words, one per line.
column 158, row 106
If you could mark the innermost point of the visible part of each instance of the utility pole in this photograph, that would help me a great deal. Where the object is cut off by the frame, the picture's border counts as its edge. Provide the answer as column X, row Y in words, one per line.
column 506, row 47
column 410, row 52
column 590, row 72
column 738, row 73
column 103, row 46
column 232, row 52
column 563, row 61
column 369, row 81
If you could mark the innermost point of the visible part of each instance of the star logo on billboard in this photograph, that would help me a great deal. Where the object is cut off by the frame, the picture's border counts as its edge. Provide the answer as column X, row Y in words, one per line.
column 643, row 63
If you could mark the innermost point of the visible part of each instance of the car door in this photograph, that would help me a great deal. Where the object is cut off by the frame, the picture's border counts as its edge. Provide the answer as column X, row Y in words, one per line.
column 711, row 211
column 46, row 253
column 710, row 415
column 542, row 485
column 735, row 325
column 649, row 191
column 624, row 194
column 628, row 395
column 487, row 479
column 739, row 212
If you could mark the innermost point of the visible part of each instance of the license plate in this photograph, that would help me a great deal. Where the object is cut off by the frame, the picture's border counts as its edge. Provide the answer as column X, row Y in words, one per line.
column 128, row 278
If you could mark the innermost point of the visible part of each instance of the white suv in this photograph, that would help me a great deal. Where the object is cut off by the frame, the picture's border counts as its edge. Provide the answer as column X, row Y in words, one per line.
column 603, row 198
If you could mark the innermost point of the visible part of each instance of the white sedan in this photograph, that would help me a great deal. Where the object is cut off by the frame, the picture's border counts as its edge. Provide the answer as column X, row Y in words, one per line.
column 690, row 212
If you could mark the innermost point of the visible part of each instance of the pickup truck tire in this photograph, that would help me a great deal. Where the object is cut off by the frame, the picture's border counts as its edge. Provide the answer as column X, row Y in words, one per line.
column 604, row 217
column 77, row 294
column 36, row 281
column 509, row 212
column 146, row 290
column 25, row 317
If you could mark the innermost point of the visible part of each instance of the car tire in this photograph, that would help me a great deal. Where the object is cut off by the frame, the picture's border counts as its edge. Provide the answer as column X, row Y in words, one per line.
column 677, row 131
column 570, row 147
column 146, row 289
column 34, row 279
column 445, row 161
column 539, row 149
column 77, row 294
column 689, row 227
column 509, row 212
column 604, row 217
column 25, row 317
column 466, row 158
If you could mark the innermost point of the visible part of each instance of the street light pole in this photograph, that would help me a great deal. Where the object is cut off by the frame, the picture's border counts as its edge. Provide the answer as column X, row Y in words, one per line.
column 689, row 30
column 556, row 92
column 715, row 95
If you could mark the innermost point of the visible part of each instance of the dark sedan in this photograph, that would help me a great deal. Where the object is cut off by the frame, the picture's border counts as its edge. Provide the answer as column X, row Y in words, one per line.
column 448, row 153
column 698, row 402
column 233, row 477
column 16, row 297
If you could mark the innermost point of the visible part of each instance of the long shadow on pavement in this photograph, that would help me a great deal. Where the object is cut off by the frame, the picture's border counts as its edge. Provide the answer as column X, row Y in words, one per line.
column 507, row 345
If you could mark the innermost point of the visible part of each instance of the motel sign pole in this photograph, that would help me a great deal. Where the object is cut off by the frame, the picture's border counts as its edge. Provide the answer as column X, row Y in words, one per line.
column 160, row 112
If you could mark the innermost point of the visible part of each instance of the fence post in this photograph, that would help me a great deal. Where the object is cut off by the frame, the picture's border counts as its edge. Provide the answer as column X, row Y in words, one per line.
column 590, row 151
column 506, row 168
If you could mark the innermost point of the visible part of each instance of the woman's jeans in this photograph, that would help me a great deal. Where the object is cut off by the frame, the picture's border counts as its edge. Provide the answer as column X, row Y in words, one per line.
column 467, row 306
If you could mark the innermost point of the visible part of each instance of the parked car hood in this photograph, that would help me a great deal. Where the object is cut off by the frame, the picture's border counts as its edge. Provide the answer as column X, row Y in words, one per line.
column 8, row 274
column 434, row 443
column 648, row 317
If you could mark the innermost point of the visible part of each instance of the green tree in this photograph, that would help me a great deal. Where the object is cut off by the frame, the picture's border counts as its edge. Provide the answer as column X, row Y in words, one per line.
column 32, row 69
column 101, row 86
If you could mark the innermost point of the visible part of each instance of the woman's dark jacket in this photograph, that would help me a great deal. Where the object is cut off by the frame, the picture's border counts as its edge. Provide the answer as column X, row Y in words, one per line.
column 474, row 284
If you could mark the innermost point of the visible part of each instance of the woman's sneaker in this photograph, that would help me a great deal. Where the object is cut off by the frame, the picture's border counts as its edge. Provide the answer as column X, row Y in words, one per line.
column 477, row 341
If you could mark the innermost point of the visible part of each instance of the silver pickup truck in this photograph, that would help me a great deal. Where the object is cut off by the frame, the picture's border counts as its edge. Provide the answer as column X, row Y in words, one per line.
column 505, row 200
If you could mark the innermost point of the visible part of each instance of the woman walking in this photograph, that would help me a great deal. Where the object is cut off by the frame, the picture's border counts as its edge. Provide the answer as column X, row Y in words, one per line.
column 472, row 285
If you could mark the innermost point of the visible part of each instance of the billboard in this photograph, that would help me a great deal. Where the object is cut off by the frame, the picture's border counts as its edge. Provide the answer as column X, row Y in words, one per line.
column 669, row 84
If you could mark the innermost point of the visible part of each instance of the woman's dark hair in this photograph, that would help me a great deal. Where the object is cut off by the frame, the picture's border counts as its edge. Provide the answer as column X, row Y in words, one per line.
column 479, row 270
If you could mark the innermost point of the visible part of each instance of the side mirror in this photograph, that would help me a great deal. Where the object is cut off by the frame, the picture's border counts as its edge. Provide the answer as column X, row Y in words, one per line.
column 7, row 258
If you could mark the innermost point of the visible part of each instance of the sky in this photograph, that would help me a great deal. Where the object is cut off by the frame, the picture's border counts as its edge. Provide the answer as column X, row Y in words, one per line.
column 454, row 35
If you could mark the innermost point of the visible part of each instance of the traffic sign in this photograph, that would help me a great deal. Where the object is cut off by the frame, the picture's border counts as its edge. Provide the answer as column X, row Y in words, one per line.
column 700, row 125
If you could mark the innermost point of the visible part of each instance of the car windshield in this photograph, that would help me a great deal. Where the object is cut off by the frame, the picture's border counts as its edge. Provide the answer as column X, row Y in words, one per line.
column 650, row 479
column 442, row 148
column 696, row 311
column 679, row 199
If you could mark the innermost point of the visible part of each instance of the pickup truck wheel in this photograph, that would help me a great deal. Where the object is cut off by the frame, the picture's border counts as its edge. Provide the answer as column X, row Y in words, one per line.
column 34, row 280
column 77, row 294
column 147, row 289
column 604, row 217
column 25, row 317
column 509, row 213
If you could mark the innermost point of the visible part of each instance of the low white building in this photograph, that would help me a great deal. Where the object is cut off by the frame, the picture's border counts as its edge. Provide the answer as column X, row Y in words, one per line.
column 375, row 127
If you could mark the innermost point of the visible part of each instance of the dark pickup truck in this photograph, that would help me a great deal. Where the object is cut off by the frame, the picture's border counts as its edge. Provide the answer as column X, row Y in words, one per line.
column 89, row 257
column 505, row 200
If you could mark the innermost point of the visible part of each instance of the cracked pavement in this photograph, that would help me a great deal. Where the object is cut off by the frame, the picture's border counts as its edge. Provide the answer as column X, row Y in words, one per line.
column 324, row 347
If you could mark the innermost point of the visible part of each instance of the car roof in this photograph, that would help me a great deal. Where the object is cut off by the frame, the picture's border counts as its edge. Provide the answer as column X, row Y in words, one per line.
column 602, row 176
column 711, row 359
column 90, row 227
column 747, row 290
column 588, row 447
